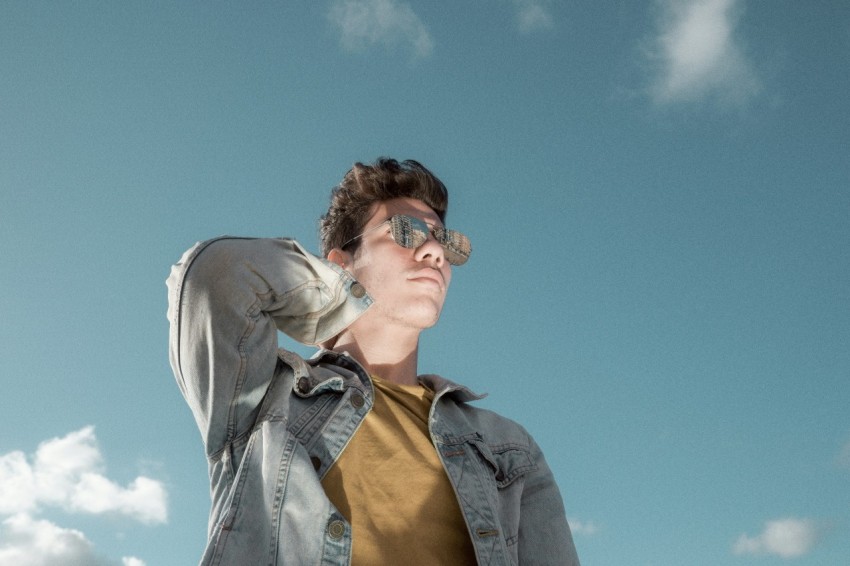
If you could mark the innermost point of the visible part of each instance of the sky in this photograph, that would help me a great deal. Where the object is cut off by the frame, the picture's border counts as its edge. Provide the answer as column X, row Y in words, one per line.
column 657, row 193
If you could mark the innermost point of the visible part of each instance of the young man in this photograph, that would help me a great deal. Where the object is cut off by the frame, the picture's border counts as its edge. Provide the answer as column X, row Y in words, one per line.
column 351, row 456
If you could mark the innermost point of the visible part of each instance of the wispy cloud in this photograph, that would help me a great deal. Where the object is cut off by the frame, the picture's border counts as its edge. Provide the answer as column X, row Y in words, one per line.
column 699, row 53
column 66, row 473
column 786, row 538
column 533, row 15
column 586, row 528
column 364, row 23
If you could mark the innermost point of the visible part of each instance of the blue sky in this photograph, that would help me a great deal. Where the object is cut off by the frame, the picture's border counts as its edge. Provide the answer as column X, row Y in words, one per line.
column 657, row 195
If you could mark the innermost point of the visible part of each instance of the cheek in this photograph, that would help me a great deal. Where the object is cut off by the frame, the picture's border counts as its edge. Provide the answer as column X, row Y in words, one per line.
column 373, row 277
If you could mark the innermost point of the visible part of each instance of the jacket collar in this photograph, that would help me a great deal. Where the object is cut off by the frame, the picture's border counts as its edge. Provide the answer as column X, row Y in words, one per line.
column 442, row 386
column 438, row 385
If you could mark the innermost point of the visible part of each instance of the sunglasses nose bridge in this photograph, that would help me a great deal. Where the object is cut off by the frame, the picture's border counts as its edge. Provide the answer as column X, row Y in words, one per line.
column 412, row 232
column 430, row 246
column 444, row 240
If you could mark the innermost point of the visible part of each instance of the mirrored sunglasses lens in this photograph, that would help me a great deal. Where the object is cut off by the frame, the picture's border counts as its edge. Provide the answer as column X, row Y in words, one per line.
column 408, row 232
column 411, row 232
column 456, row 245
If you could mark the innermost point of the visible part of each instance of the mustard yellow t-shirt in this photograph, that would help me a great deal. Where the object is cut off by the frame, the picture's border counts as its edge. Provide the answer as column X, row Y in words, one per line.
column 391, row 486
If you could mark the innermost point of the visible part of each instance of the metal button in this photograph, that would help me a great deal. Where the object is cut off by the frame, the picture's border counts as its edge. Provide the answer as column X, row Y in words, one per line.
column 336, row 529
column 317, row 463
column 303, row 384
column 358, row 291
column 357, row 400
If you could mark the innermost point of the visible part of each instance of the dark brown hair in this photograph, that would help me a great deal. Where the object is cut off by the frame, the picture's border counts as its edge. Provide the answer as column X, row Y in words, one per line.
column 365, row 185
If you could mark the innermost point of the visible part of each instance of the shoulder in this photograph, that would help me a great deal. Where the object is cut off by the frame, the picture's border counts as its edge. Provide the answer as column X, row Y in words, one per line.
column 496, row 428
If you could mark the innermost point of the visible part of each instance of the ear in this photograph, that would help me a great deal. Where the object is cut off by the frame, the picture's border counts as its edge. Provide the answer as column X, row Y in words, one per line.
column 340, row 257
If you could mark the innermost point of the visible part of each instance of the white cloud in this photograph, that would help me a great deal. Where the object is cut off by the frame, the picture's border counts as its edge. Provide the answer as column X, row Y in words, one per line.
column 364, row 23
column 144, row 499
column 700, row 54
column 787, row 538
column 17, row 484
column 586, row 528
column 67, row 473
column 25, row 541
column 533, row 15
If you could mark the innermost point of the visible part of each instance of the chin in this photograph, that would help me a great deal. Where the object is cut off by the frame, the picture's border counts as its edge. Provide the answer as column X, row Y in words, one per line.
column 424, row 320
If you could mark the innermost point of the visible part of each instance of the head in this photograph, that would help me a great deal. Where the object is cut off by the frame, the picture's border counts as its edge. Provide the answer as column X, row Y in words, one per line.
column 364, row 186
column 408, row 285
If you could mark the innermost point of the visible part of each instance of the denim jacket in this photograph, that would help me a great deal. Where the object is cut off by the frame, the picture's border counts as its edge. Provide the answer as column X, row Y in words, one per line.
column 273, row 423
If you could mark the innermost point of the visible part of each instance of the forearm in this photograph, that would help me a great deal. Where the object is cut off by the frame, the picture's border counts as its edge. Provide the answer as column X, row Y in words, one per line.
column 227, row 299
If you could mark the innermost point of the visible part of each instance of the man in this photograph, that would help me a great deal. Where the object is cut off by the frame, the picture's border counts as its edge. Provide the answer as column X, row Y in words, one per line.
column 351, row 456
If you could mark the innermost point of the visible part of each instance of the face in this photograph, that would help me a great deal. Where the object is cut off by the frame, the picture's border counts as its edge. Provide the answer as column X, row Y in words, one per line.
column 409, row 285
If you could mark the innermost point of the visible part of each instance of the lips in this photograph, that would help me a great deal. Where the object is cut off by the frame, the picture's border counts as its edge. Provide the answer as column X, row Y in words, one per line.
column 428, row 274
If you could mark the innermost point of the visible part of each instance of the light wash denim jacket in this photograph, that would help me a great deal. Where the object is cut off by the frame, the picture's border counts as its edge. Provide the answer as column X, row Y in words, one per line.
column 273, row 423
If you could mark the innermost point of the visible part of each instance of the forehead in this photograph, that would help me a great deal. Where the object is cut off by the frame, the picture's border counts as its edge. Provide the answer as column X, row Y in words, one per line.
column 409, row 206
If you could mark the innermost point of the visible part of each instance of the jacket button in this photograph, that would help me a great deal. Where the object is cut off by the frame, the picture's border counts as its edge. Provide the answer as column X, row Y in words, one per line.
column 303, row 385
column 358, row 291
column 336, row 529
column 357, row 400
column 317, row 463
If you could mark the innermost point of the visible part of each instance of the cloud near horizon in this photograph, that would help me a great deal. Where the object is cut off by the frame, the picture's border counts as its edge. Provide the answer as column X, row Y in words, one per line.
column 586, row 528
column 364, row 23
column 25, row 541
column 66, row 473
column 786, row 538
column 699, row 53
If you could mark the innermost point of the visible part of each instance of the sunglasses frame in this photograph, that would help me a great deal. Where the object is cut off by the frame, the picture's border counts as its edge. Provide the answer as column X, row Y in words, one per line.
column 411, row 232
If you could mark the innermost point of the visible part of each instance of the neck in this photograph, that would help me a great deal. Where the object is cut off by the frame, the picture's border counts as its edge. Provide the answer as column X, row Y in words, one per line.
column 387, row 351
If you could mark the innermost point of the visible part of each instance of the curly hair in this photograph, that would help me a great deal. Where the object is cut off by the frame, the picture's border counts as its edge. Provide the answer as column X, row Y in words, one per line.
column 365, row 185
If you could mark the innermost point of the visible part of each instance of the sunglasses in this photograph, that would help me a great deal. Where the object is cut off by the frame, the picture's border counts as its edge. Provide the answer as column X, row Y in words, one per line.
column 411, row 232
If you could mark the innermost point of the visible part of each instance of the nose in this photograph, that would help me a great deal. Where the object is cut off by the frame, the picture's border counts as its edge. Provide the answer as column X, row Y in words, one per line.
column 431, row 251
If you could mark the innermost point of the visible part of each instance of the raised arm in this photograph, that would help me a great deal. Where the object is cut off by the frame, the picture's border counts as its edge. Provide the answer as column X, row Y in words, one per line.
column 226, row 300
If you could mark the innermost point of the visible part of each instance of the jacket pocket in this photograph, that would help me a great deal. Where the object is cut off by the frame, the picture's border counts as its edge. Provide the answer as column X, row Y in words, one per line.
column 508, row 462
column 508, row 465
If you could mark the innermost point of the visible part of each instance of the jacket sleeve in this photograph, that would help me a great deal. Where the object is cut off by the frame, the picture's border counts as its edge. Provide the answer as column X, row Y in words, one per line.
column 226, row 300
column 544, row 533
